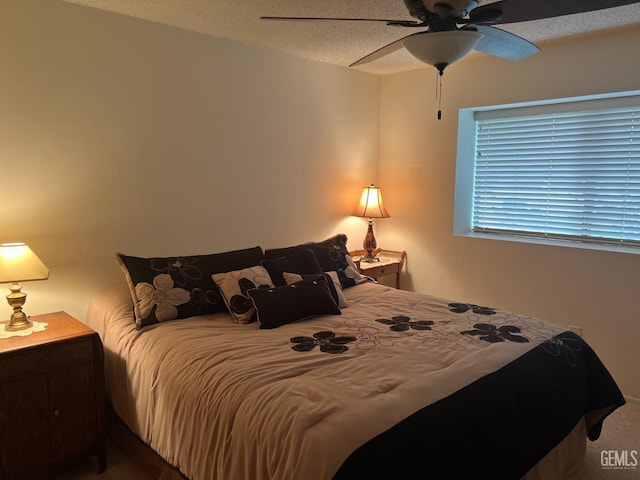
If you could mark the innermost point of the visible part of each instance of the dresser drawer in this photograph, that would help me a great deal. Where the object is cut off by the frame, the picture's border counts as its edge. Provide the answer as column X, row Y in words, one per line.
column 381, row 270
column 49, row 356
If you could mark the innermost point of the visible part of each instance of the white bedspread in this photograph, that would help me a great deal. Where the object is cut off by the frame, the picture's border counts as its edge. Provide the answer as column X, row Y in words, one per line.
column 225, row 401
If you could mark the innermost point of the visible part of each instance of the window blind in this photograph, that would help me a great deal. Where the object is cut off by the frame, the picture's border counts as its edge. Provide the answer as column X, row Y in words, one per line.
column 571, row 175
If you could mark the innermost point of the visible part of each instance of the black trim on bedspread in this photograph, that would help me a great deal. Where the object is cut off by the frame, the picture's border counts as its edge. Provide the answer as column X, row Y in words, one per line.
column 498, row 427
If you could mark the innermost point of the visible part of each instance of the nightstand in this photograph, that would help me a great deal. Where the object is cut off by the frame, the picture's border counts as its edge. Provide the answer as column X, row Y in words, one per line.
column 390, row 262
column 51, row 398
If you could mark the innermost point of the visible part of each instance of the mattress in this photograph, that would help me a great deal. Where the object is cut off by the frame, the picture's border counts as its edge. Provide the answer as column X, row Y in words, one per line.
column 399, row 384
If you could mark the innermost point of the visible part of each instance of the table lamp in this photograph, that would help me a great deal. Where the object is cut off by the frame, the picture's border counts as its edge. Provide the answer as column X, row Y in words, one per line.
column 18, row 263
column 370, row 206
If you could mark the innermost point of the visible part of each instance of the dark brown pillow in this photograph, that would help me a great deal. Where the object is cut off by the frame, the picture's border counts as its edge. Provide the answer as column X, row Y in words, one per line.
column 167, row 288
column 333, row 282
column 332, row 255
column 282, row 305
column 303, row 260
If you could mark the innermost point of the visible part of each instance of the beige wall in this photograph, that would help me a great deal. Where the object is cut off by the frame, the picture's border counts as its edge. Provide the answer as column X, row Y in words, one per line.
column 123, row 135
column 595, row 290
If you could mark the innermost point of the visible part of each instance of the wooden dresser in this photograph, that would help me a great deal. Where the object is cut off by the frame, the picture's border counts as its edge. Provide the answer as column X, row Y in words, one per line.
column 51, row 398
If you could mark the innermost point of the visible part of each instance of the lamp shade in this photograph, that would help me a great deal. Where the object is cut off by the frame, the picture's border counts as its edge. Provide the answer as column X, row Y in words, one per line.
column 371, row 205
column 18, row 263
column 442, row 48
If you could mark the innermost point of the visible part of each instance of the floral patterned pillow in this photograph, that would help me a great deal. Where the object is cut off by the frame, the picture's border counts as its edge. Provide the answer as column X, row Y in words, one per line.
column 301, row 261
column 168, row 288
column 332, row 255
column 234, row 287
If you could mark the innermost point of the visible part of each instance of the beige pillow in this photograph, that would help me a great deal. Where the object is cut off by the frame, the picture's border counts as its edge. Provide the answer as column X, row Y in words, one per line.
column 234, row 287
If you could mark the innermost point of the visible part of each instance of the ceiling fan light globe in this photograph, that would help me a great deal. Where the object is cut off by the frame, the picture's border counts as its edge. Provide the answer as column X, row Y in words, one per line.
column 442, row 48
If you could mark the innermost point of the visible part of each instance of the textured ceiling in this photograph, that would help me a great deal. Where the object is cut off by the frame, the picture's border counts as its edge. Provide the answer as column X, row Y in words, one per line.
column 340, row 43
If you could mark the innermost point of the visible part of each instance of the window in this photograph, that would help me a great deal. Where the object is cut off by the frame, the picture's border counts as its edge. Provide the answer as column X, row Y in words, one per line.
column 557, row 171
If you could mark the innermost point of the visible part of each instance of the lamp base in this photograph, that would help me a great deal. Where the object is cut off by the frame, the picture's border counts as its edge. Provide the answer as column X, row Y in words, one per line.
column 18, row 323
column 18, row 320
column 369, row 258
column 370, row 245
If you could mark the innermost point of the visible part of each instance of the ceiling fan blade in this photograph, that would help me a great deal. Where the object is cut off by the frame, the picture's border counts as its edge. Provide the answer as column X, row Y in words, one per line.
column 383, row 51
column 395, row 23
column 500, row 43
column 484, row 14
column 514, row 11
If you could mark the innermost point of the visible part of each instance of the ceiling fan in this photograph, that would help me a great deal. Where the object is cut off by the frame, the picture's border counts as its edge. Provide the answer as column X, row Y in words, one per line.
column 452, row 28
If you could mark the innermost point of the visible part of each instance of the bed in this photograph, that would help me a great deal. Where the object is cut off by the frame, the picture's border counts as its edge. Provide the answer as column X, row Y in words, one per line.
column 259, row 376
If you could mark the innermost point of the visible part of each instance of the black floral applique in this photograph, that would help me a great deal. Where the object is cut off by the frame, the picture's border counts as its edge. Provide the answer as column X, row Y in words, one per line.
column 242, row 303
column 465, row 307
column 564, row 344
column 326, row 340
column 345, row 280
column 492, row 334
column 202, row 298
column 402, row 323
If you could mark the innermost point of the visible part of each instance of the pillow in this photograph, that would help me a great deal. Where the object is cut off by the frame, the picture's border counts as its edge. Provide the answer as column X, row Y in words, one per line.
column 351, row 275
column 234, row 287
column 333, row 282
column 332, row 254
column 301, row 261
column 286, row 304
column 167, row 288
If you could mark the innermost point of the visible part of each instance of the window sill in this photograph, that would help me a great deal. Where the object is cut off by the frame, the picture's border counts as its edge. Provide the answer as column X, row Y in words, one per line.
column 553, row 242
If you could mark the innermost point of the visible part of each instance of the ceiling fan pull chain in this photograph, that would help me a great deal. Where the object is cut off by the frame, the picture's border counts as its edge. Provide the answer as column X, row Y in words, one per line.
column 439, row 94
